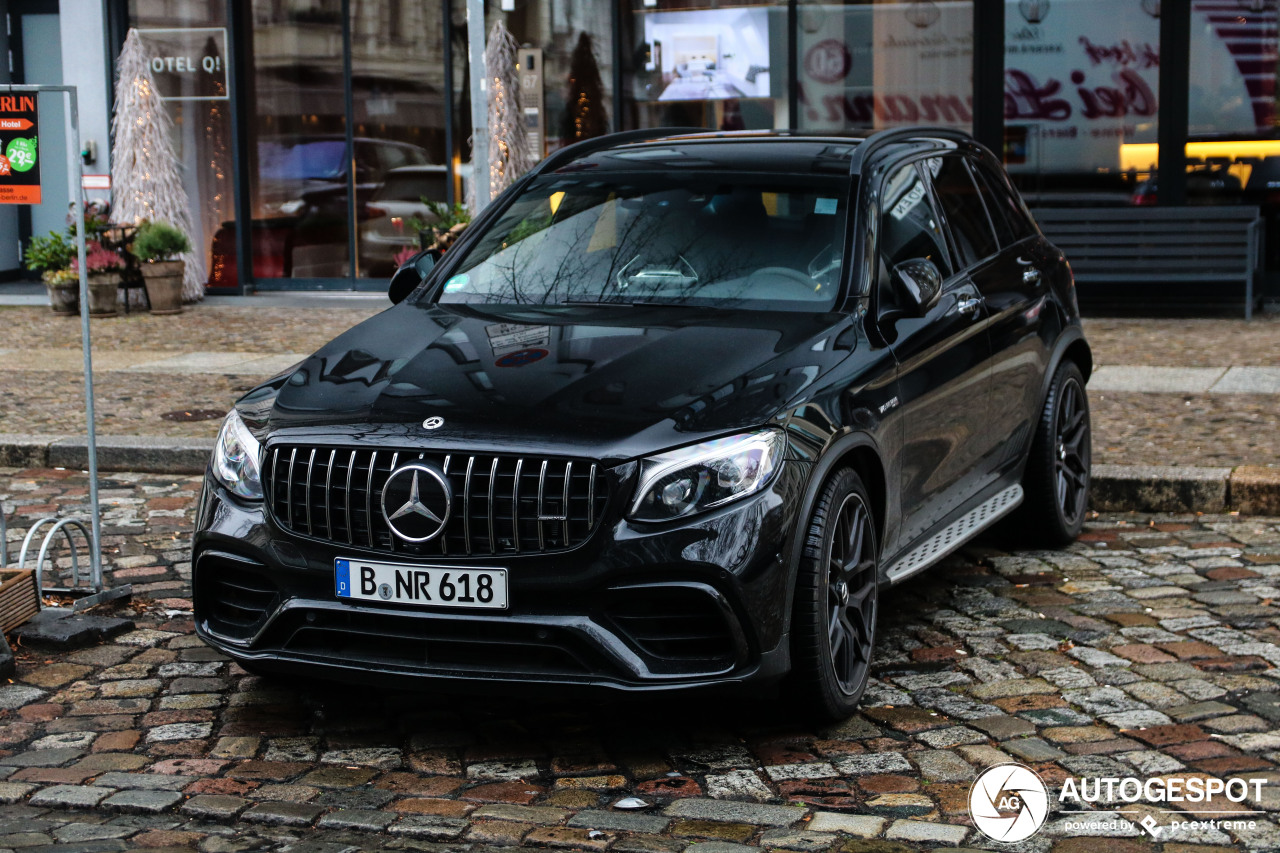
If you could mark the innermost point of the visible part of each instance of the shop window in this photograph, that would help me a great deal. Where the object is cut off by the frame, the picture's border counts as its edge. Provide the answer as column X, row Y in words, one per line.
column 567, row 78
column 198, row 104
column 397, row 83
column 1081, row 86
column 1233, row 152
column 866, row 65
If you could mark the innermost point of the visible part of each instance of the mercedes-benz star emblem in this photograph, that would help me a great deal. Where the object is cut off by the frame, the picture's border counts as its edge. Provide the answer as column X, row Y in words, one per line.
column 434, row 422
column 416, row 502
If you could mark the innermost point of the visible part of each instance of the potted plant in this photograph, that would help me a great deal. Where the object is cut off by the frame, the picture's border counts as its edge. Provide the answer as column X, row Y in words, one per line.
column 51, row 256
column 158, row 246
column 104, row 268
column 64, row 290
column 444, row 225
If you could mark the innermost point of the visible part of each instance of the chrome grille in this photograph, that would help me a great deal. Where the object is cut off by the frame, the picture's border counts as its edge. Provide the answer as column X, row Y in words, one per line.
column 501, row 504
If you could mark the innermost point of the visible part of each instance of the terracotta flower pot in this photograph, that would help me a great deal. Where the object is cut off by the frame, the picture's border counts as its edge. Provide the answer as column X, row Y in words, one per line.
column 64, row 299
column 103, row 287
column 164, row 285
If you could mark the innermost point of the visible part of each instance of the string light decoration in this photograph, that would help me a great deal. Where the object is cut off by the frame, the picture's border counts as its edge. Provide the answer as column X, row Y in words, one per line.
column 509, row 154
column 215, row 176
column 584, row 114
column 146, row 177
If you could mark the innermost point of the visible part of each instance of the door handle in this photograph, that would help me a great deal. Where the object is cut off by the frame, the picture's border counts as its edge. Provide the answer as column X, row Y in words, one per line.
column 968, row 305
column 1031, row 276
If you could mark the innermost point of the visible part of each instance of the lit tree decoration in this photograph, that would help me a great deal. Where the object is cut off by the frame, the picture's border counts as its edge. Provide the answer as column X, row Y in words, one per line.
column 509, row 154
column 584, row 114
column 215, row 175
column 146, row 177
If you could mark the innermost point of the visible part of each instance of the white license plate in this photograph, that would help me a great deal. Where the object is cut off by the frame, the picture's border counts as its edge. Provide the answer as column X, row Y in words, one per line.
column 431, row 586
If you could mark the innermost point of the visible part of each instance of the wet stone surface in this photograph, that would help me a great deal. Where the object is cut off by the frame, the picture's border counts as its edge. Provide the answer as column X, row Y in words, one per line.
column 146, row 526
column 1149, row 647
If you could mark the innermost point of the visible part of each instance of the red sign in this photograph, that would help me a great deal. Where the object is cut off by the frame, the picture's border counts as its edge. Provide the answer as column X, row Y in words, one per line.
column 19, row 150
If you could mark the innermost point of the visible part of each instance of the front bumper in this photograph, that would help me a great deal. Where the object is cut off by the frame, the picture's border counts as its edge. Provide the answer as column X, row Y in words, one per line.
column 638, row 607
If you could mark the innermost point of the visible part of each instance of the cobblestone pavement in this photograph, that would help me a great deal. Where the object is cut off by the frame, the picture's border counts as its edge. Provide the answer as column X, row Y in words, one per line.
column 1149, row 648
column 1185, row 342
column 1129, row 428
column 1184, row 429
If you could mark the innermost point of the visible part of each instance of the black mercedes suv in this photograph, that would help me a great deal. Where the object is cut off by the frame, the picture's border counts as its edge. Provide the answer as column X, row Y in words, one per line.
column 671, row 413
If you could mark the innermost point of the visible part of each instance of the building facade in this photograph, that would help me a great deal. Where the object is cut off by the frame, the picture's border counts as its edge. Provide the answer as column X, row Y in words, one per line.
column 309, row 129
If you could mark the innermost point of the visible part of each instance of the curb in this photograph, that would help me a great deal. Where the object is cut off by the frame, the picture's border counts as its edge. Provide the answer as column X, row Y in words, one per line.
column 142, row 454
column 1248, row 490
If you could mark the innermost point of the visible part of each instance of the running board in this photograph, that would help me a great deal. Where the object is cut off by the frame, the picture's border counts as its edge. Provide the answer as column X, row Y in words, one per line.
column 956, row 534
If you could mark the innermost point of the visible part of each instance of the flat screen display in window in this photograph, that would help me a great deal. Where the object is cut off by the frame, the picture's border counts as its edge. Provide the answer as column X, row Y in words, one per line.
column 711, row 54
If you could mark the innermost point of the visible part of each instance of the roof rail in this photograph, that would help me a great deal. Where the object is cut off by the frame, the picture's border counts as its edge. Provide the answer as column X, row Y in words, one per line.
column 578, row 150
column 897, row 134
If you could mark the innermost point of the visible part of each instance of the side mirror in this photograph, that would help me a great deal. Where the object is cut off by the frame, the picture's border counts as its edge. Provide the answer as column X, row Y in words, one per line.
column 411, row 274
column 920, row 280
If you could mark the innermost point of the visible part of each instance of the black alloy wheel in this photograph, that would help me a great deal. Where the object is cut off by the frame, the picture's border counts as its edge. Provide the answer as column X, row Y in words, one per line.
column 1073, row 451
column 1059, row 465
column 836, row 601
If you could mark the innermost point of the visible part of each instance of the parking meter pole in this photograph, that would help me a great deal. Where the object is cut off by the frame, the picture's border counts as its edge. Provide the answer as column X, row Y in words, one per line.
column 479, row 104
column 76, row 175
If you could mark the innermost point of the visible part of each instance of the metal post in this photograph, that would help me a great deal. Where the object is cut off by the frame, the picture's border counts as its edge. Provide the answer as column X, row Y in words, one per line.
column 446, row 34
column 479, row 104
column 76, row 173
column 1175, row 82
column 988, row 75
column 349, row 128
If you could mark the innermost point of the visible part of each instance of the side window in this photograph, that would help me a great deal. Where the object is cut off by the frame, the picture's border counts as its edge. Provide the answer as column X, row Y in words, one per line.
column 1003, row 204
column 1005, row 231
column 966, row 214
column 909, row 227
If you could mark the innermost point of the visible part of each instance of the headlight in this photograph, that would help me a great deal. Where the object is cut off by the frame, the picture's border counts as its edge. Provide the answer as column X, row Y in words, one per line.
column 704, row 476
column 235, row 459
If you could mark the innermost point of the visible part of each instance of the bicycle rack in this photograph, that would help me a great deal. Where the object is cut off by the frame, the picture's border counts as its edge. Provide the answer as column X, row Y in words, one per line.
column 85, row 596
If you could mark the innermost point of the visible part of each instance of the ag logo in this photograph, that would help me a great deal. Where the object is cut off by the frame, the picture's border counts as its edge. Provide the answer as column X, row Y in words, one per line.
column 1008, row 802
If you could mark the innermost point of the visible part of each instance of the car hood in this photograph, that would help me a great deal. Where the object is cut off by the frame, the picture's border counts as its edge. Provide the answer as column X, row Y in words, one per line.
column 614, row 382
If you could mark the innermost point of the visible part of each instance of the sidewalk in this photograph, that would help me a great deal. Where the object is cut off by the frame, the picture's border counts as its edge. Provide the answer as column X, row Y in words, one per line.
column 1199, row 394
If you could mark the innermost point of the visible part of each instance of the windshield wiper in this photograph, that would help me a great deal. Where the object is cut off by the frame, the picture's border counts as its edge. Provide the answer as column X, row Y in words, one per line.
column 629, row 303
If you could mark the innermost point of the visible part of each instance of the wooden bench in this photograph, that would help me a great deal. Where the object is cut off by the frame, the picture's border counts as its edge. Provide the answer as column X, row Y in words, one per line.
column 1159, row 245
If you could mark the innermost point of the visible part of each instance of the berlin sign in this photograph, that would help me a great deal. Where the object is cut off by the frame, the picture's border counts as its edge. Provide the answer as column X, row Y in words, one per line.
column 19, row 151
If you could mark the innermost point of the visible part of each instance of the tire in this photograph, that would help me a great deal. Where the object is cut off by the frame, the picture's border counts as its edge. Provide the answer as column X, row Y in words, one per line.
column 1056, row 482
column 833, row 620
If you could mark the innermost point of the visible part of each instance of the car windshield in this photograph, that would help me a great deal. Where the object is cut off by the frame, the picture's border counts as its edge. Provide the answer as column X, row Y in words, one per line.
column 734, row 241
